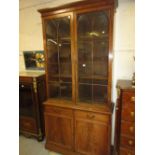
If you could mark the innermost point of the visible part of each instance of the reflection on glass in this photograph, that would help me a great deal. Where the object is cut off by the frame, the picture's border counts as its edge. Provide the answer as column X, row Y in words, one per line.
column 85, row 69
column 59, row 57
column 94, row 24
column 93, row 56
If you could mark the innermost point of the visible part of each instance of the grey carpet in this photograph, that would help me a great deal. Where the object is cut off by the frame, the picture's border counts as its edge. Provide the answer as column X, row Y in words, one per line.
column 30, row 146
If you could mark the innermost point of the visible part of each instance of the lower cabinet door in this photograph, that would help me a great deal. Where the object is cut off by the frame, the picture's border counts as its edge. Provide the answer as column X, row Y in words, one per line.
column 91, row 136
column 59, row 130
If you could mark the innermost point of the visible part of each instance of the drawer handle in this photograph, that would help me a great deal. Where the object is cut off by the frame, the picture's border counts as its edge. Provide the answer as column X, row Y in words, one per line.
column 132, row 113
column 131, row 129
column 91, row 116
column 130, row 142
column 133, row 99
column 22, row 86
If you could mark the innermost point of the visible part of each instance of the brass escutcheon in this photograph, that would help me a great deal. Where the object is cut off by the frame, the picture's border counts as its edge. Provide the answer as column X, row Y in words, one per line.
column 131, row 128
column 132, row 113
column 133, row 99
column 130, row 142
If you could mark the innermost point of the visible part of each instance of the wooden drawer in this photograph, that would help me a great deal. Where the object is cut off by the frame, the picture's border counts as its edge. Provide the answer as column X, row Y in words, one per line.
column 128, row 97
column 128, row 128
column 27, row 124
column 128, row 113
column 92, row 116
column 58, row 111
column 124, row 151
column 127, row 142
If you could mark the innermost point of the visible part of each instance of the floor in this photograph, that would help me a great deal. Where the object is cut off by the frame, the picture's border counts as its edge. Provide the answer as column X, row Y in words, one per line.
column 30, row 146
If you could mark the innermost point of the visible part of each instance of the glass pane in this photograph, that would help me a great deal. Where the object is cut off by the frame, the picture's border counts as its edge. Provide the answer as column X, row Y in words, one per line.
column 53, row 69
column 85, row 70
column 100, row 50
column 54, row 89
column 52, row 52
column 59, row 57
column 65, row 54
column 100, row 58
column 93, row 24
column 64, row 28
column 26, row 101
column 100, row 23
column 99, row 93
column 53, row 64
column 65, row 62
column 66, row 90
column 93, row 49
column 65, row 69
column 85, row 61
column 100, row 68
column 51, row 29
column 85, row 93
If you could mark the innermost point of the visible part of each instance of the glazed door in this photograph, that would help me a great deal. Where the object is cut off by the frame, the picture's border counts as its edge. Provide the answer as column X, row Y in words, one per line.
column 59, row 57
column 26, row 100
column 93, row 54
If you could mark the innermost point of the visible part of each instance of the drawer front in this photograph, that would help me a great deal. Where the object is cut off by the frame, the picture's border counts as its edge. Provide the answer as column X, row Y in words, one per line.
column 58, row 111
column 127, row 142
column 92, row 116
column 128, row 97
column 126, row 152
column 128, row 128
column 128, row 113
column 28, row 124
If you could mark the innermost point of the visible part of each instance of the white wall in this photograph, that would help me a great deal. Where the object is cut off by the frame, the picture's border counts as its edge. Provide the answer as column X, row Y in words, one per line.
column 124, row 41
column 123, row 65
column 30, row 26
column 124, row 45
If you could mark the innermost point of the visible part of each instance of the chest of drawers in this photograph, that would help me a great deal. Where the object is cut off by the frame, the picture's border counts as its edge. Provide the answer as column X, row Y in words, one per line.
column 125, row 119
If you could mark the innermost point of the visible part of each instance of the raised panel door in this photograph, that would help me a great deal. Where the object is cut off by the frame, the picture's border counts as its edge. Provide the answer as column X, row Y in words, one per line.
column 91, row 137
column 59, row 130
